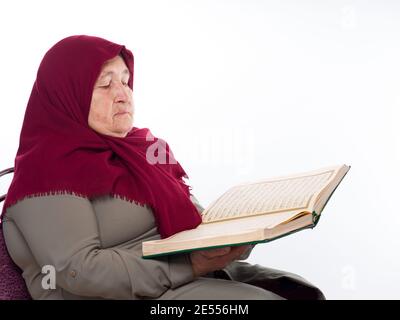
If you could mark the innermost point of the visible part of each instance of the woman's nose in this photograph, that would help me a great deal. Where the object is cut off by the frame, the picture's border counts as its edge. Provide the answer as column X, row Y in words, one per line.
column 121, row 93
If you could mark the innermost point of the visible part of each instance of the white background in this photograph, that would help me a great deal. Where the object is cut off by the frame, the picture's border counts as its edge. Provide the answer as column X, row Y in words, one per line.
column 247, row 90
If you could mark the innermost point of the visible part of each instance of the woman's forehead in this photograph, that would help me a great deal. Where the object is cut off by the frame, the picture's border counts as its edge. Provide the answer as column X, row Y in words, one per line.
column 108, row 72
column 114, row 65
column 117, row 60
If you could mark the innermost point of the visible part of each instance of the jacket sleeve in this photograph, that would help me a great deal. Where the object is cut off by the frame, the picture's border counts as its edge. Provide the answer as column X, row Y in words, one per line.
column 62, row 231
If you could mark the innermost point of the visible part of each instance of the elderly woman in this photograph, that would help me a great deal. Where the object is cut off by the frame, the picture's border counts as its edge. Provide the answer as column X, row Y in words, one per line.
column 87, row 192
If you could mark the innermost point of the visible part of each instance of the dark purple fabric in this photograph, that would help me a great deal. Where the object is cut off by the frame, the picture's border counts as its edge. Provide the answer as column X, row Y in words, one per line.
column 12, row 284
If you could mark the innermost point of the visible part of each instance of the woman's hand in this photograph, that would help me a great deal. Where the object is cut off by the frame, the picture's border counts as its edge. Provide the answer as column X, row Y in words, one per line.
column 205, row 261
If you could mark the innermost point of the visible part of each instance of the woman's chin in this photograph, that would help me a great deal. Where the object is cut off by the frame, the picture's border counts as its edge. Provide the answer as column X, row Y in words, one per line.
column 123, row 131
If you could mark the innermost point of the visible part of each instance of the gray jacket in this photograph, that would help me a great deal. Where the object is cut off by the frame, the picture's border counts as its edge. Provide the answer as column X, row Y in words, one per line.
column 94, row 246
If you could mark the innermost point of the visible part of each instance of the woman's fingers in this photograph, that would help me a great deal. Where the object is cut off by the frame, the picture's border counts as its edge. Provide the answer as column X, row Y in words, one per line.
column 235, row 251
column 214, row 259
column 212, row 253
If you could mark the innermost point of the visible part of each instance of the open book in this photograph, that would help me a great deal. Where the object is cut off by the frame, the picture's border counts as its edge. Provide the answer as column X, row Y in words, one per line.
column 256, row 212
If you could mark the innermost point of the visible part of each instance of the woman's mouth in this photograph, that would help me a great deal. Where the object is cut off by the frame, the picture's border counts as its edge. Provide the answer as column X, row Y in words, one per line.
column 121, row 113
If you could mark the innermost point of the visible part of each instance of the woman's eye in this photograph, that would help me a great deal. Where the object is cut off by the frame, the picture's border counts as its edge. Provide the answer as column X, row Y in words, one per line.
column 109, row 84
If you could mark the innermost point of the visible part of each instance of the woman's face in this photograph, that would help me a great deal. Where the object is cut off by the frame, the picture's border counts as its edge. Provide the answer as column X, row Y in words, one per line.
column 111, row 108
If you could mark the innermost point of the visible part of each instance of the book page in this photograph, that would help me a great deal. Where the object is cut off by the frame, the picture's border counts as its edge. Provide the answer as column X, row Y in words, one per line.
column 265, row 197
column 229, row 227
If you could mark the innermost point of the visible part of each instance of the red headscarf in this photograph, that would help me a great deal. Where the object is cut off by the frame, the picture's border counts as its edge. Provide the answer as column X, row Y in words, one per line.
column 59, row 153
